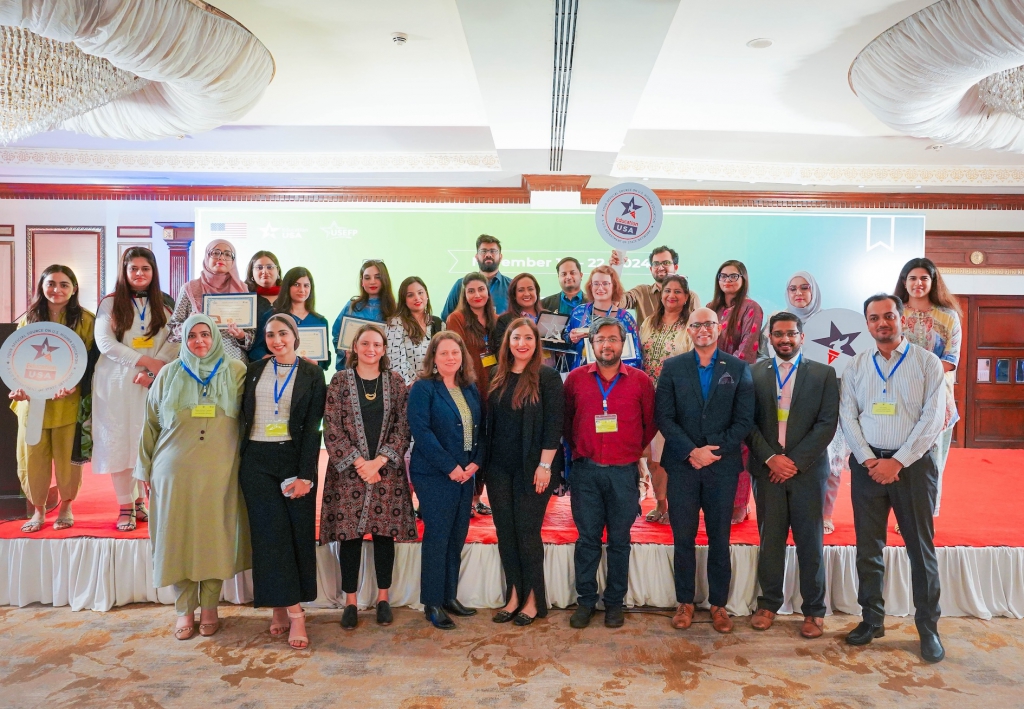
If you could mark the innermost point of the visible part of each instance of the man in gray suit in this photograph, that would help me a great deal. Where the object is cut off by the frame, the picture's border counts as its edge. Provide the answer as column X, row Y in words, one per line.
column 796, row 412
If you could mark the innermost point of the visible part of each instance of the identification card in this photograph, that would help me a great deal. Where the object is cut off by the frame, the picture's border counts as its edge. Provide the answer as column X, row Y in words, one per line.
column 783, row 414
column 608, row 423
column 277, row 428
column 204, row 411
column 142, row 343
column 884, row 408
column 488, row 360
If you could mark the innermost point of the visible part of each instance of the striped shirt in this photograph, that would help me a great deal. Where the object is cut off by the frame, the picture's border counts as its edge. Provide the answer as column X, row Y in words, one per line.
column 917, row 389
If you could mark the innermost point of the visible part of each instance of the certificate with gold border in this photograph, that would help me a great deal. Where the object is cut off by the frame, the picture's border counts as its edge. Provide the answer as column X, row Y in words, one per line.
column 313, row 343
column 226, row 309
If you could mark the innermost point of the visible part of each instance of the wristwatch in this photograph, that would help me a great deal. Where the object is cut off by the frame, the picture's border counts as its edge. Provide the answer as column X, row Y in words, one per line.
column 150, row 374
column 546, row 466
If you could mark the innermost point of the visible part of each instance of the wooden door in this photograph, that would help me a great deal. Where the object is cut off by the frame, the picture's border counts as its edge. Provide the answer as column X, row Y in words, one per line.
column 994, row 409
column 81, row 248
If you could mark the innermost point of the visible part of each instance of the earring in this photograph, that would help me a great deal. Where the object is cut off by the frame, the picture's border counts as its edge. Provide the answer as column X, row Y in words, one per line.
column 435, row 369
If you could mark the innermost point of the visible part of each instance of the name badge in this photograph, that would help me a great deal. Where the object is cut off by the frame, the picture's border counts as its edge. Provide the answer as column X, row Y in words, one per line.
column 142, row 343
column 783, row 414
column 204, row 411
column 488, row 360
column 884, row 408
column 277, row 428
column 608, row 423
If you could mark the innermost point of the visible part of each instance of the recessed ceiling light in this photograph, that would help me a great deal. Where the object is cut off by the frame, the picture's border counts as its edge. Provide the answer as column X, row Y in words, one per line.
column 861, row 186
column 646, row 179
column 760, row 43
column 699, row 180
column 917, row 187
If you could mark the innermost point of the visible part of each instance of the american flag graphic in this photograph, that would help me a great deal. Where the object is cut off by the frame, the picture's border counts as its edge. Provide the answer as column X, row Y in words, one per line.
column 237, row 230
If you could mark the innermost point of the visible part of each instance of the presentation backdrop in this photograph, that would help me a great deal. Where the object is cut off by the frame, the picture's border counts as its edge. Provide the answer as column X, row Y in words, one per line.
column 852, row 255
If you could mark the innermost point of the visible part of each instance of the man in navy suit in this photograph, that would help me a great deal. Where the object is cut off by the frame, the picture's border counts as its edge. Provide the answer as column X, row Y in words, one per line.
column 704, row 407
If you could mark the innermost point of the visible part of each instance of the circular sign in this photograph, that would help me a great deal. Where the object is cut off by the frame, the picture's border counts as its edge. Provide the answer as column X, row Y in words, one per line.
column 834, row 336
column 42, row 358
column 629, row 216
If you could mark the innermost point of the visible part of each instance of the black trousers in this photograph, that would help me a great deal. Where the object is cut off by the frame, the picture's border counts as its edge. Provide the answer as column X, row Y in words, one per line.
column 350, row 554
column 689, row 492
column 796, row 503
column 518, row 516
column 444, row 506
column 912, row 498
column 283, row 530
column 603, row 496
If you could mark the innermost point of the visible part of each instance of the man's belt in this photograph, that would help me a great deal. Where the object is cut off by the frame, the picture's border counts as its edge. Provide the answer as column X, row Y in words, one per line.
column 883, row 453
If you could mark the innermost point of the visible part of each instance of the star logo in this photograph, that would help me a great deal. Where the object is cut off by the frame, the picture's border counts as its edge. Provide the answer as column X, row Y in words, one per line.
column 338, row 232
column 838, row 342
column 44, row 351
column 630, row 208
column 269, row 232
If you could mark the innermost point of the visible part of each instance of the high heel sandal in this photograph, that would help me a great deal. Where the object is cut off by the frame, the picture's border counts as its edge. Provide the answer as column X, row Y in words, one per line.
column 141, row 511
column 128, row 526
column 292, row 639
column 277, row 629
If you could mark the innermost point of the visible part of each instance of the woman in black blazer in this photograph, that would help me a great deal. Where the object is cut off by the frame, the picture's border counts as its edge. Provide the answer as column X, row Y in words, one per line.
column 444, row 418
column 282, row 407
column 522, row 448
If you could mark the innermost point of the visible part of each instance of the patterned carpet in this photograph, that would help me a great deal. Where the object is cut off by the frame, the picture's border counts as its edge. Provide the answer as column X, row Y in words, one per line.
column 128, row 658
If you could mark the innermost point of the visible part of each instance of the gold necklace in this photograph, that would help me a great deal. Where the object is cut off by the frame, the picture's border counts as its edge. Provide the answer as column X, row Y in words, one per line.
column 376, row 385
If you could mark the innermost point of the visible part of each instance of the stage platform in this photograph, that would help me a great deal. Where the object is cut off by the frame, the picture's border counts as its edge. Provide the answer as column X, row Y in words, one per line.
column 979, row 535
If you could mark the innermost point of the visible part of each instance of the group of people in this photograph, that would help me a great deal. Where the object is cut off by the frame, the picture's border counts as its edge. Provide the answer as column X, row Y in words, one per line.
column 222, row 428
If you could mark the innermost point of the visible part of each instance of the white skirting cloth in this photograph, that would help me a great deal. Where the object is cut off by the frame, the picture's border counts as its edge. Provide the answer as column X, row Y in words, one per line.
column 99, row 574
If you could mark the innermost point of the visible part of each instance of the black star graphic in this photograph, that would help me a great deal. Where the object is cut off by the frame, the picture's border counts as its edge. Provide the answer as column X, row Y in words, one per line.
column 630, row 208
column 837, row 340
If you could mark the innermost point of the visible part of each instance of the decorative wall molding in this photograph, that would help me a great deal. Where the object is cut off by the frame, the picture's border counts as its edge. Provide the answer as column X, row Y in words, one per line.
column 820, row 174
column 555, row 183
column 949, row 271
column 193, row 161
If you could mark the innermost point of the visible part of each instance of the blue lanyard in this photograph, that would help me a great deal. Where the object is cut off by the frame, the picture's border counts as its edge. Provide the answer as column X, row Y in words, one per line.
column 885, row 380
column 782, row 382
column 206, row 382
column 606, row 393
column 279, row 394
column 142, row 313
column 607, row 313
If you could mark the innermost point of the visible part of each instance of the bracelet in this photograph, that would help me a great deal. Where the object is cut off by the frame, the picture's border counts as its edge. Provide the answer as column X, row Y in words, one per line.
column 546, row 466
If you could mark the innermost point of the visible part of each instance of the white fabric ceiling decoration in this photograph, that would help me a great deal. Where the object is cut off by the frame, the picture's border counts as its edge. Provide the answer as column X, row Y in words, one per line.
column 921, row 76
column 204, row 68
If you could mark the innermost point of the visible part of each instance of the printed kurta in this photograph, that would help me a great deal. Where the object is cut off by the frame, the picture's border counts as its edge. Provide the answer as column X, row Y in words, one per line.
column 938, row 331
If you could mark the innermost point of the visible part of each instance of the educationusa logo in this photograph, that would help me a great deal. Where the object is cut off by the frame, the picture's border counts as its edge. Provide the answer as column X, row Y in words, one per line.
column 835, row 336
column 629, row 216
column 41, row 358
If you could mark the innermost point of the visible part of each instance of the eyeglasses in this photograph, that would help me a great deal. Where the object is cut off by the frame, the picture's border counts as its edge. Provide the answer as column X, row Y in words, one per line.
column 729, row 277
column 778, row 334
column 261, row 267
column 488, row 252
column 661, row 264
column 698, row 326
column 806, row 287
column 600, row 284
column 607, row 341
column 226, row 255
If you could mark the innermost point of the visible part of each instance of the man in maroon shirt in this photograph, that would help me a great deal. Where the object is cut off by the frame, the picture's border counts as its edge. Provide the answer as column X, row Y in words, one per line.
column 609, row 420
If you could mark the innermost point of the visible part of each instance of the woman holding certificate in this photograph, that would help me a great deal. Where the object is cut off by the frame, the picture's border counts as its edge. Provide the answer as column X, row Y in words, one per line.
column 366, row 491
column 219, row 277
column 298, row 299
column 198, row 527
column 131, row 335
column 375, row 302
column 282, row 408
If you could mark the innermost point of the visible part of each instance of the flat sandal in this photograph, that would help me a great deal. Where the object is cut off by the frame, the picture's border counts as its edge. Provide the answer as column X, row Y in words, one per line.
column 128, row 526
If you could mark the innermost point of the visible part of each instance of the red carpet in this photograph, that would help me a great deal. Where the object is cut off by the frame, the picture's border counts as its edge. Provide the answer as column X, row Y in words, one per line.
column 979, row 508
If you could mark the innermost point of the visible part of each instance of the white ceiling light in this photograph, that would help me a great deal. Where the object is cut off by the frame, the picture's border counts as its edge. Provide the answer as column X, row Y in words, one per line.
column 399, row 38
column 760, row 43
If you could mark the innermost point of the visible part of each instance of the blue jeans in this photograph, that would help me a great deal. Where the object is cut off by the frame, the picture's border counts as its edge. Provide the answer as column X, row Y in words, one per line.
column 603, row 496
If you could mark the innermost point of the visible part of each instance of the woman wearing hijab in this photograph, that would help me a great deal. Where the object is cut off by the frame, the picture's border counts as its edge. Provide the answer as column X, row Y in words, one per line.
column 219, row 275
column 198, row 527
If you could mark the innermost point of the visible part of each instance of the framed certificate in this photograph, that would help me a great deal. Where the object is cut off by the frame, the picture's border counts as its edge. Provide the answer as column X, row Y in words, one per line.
column 238, row 309
column 349, row 328
column 628, row 350
column 313, row 343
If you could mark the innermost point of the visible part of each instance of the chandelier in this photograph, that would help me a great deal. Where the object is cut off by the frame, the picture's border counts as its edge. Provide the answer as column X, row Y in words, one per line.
column 1004, row 91
column 44, row 82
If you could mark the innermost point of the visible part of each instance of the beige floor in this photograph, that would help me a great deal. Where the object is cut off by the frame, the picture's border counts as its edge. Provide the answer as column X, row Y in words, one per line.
column 128, row 658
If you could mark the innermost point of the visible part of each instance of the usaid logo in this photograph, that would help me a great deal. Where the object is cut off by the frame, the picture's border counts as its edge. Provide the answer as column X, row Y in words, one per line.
column 629, row 216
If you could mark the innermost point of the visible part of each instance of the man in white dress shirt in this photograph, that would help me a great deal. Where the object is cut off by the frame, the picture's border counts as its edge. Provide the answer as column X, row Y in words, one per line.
column 891, row 410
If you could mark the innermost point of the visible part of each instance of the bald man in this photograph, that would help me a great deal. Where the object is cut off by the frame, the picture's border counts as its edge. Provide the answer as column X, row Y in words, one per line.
column 704, row 406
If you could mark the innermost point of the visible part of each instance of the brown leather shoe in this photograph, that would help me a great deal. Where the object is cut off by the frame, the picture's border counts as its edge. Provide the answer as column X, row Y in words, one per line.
column 762, row 619
column 683, row 617
column 812, row 627
column 720, row 619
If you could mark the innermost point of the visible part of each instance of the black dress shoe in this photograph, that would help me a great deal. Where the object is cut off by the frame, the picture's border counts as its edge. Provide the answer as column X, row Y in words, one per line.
column 931, row 646
column 614, row 617
column 384, row 614
column 438, row 618
column 455, row 608
column 864, row 633
column 581, row 618
column 350, row 618
column 522, row 620
column 503, row 616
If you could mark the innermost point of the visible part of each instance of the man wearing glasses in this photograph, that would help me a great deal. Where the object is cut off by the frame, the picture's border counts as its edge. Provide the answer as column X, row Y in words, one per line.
column 704, row 409
column 796, row 412
column 609, row 420
column 488, row 258
column 892, row 410
column 647, row 296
